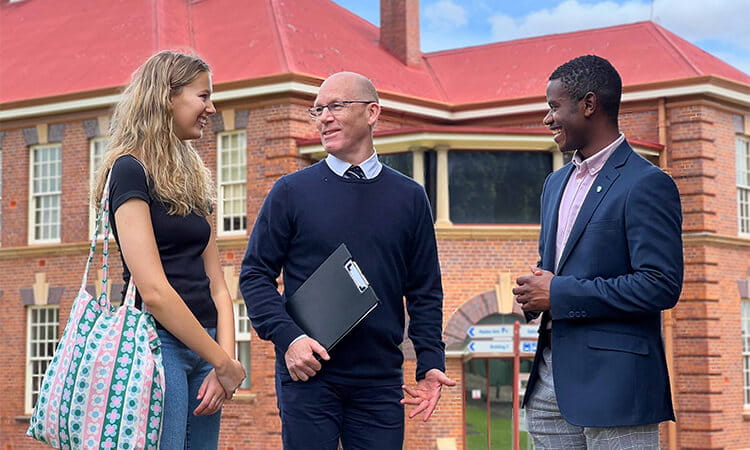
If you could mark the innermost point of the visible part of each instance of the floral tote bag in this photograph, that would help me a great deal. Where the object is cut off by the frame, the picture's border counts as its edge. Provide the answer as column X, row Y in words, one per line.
column 104, row 388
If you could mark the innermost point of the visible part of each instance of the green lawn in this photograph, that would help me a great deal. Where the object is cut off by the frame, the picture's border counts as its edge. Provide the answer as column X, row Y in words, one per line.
column 476, row 431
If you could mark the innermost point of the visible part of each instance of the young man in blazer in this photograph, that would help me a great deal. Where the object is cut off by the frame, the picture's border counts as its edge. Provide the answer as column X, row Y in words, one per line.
column 610, row 262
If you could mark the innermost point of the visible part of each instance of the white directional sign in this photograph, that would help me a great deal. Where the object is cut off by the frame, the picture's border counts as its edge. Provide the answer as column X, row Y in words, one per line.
column 527, row 347
column 491, row 347
column 490, row 331
column 529, row 331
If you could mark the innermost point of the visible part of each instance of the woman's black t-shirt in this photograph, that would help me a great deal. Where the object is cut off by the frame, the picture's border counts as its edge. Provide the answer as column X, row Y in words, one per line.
column 181, row 240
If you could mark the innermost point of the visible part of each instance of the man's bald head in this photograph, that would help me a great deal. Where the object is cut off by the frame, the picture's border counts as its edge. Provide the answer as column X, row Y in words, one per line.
column 359, row 84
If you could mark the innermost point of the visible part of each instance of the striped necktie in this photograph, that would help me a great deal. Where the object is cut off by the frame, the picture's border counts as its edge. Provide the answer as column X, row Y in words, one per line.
column 355, row 172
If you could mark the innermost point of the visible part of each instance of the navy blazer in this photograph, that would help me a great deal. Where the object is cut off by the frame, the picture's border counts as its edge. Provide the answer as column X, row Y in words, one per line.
column 622, row 265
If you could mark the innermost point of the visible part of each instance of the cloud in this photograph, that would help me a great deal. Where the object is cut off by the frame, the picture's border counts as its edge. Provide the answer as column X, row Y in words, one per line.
column 445, row 15
column 569, row 15
column 720, row 27
column 690, row 19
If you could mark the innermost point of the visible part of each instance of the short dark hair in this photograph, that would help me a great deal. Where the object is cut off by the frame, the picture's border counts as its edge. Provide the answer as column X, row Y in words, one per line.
column 591, row 73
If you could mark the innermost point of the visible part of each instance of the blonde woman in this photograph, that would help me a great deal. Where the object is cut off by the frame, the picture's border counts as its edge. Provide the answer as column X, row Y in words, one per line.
column 160, row 196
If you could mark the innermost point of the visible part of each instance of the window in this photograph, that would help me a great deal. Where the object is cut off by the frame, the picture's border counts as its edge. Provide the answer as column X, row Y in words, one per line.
column 41, row 338
column 232, row 149
column 496, row 187
column 745, row 318
column 403, row 162
column 44, row 210
column 97, row 148
column 242, row 339
column 743, row 184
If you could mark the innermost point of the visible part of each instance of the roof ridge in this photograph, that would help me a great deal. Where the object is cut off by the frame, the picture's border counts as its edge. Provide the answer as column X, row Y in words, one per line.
column 663, row 33
column 435, row 78
column 282, row 42
column 532, row 38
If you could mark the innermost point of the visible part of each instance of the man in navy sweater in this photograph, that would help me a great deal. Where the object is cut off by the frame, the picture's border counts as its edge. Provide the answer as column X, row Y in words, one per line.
column 354, row 394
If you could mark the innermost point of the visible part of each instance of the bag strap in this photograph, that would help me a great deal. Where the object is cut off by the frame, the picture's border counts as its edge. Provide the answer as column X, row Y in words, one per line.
column 102, row 215
column 102, row 218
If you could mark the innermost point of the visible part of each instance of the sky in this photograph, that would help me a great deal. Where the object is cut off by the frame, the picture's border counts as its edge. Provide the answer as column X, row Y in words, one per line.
column 720, row 27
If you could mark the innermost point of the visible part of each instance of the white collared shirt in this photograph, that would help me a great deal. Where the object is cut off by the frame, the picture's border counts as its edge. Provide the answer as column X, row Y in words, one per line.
column 579, row 184
column 371, row 166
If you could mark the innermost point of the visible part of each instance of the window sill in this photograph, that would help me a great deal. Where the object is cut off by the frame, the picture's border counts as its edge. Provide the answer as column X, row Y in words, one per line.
column 746, row 415
column 22, row 419
column 231, row 241
column 244, row 397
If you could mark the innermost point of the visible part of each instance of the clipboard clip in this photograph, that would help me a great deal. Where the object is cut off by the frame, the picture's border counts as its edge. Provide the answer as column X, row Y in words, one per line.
column 356, row 275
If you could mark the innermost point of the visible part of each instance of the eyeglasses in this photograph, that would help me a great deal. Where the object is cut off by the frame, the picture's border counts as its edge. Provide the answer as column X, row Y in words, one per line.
column 334, row 107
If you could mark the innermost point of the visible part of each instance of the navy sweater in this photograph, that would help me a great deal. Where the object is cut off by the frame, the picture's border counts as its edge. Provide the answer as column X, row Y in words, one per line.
column 387, row 225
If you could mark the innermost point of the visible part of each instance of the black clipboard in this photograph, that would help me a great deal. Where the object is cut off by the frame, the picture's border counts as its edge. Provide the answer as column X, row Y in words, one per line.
column 333, row 300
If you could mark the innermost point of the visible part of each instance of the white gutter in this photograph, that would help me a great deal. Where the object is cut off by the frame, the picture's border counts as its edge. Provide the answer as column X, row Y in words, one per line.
column 396, row 105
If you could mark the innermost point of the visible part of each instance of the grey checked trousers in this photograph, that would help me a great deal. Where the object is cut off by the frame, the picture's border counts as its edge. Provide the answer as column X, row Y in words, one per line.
column 551, row 432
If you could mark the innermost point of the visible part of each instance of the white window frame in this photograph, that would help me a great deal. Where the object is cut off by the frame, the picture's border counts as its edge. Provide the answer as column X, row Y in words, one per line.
column 52, row 194
column 742, row 168
column 242, row 335
column 40, row 347
column 224, row 184
column 97, row 148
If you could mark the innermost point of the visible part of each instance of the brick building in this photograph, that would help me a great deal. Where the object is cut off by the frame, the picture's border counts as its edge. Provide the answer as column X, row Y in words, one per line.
column 466, row 123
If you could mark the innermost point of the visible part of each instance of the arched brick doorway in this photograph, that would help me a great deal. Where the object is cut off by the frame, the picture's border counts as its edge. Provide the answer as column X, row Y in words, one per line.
column 487, row 379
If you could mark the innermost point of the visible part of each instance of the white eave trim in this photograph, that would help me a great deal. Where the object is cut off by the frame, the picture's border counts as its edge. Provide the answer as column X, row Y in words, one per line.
column 457, row 139
column 396, row 105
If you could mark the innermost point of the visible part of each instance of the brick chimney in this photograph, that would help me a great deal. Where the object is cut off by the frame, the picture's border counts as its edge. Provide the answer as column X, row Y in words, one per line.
column 399, row 30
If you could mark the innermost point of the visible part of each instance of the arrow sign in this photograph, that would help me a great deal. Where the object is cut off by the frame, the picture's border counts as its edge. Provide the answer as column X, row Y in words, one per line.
column 527, row 347
column 490, row 331
column 529, row 331
column 490, row 347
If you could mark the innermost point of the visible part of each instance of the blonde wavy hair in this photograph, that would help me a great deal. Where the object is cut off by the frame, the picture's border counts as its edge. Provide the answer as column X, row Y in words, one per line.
column 142, row 126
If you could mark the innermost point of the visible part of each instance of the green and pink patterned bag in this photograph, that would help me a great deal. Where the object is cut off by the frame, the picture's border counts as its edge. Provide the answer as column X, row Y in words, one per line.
column 104, row 388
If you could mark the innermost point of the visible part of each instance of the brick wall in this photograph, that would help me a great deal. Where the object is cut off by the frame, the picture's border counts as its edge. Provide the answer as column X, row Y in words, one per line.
column 708, row 368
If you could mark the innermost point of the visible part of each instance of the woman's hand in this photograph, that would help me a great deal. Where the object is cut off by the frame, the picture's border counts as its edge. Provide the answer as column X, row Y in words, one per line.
column 230, row 376
column 211, row 394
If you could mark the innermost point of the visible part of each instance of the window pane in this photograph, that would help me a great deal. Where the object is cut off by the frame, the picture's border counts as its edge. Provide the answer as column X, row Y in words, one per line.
column 496, row 187
column 430, row 178
column 46, row 185
column 232, row 173
column 403, row 162
column 243, row 355
column 42, row 342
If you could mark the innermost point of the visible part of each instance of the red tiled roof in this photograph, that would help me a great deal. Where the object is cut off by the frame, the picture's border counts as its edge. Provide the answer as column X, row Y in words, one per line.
column 53, row 48
column 643, row 52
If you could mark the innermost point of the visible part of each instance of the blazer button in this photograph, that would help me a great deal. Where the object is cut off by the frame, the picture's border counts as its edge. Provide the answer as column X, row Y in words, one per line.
column 571, row 314
column 583, row 313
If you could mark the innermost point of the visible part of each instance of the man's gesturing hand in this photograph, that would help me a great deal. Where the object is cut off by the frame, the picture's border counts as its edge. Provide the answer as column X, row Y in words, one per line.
column 427, row 393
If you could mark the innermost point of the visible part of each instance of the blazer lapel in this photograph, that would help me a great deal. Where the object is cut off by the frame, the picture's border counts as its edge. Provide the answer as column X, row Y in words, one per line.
column 596, row 194
column 552, row 214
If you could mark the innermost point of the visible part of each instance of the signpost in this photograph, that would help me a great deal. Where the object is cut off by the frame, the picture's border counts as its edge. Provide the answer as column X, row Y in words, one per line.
column 504, row 341
column 491, row 346
column 490, row 331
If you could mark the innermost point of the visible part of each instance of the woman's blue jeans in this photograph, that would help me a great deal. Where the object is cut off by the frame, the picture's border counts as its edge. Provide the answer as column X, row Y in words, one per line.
column 184, row 372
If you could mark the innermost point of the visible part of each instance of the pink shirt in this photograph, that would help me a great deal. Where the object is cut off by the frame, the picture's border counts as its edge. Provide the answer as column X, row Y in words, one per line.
column 580, row 182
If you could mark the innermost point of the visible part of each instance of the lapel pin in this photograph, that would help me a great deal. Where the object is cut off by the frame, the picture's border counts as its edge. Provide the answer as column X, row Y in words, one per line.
column 598, row 189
